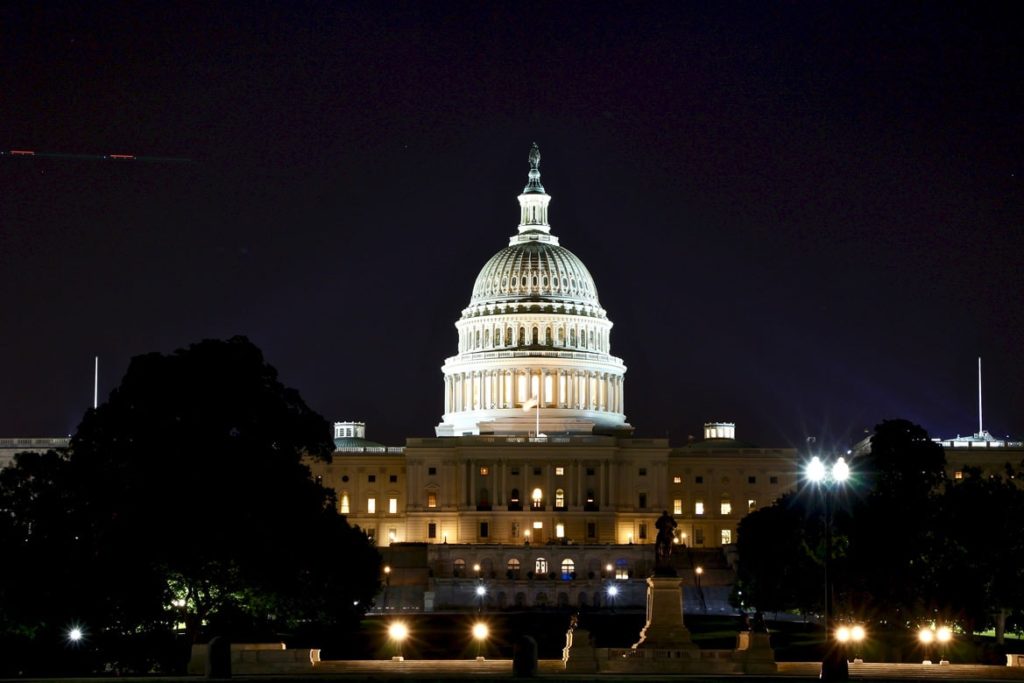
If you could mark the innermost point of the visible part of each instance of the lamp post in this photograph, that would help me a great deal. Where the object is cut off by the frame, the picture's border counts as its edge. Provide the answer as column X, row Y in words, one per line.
column 387, row 585
column 480, row 593
column 398, row 632
column 834, row 666
column 698, row 572
column 480, row 633
column 612, row 592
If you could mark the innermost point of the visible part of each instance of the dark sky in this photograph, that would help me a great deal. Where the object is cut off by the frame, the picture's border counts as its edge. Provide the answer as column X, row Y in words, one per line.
column 802, row 217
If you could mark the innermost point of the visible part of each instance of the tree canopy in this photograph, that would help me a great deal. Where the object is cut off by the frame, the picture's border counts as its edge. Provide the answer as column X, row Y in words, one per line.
column 185, row 498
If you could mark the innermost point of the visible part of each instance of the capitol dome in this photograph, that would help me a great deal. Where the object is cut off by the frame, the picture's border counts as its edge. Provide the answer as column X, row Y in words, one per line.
column 534, row 340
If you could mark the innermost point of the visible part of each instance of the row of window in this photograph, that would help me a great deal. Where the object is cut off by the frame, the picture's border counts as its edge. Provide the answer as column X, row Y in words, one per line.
column 699, row 479
column 371, row 505
column 587, row 339
column 372, row 478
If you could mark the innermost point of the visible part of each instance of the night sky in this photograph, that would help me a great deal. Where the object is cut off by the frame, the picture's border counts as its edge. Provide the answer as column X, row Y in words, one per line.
column 801, row 217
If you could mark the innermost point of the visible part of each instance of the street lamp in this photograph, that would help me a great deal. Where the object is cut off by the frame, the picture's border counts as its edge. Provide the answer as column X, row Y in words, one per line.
column 846, row 635
column 834, row 666
column 943, row 634
column 398, row 632
column 480, row 633
column 612, row 592
column 698, row 572
column 480, row 593
column 387, row 585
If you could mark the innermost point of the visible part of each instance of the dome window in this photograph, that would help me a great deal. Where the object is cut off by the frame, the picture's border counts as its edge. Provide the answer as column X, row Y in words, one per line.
column 504, row 282
column 564, row 285
column 514, row 284
column 534, row 280
column 544, row 282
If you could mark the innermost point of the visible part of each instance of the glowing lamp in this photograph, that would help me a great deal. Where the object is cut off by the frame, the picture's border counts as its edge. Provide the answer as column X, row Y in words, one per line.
column 480, row 630
column 943, row 634
column 613, row 591
column 75, row 634
column 815, row 470
column 840, row 471
column 857, row 633
column 398, row 631
column 481, row 591
column 926, row 635
column 843, row 634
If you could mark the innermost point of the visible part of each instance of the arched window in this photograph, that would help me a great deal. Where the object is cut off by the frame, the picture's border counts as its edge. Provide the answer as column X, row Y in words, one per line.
column 522, row 336
column 547, row 336
column 537, row 498
column 541, row 566
column 561, row 336
column 559, row 498
column 508, row 337
column 536, row 335
column 497, row 337
column 535, row 281
column 572, row 337
column 513, row 568
column 487, row 338
column 568, row 568
column 344, row 502
column 459, row 568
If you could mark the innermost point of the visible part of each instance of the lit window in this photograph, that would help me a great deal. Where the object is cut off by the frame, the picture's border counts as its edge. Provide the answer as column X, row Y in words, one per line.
column 677, row 506
column 484, row 471
column 559, row 471
column 559, row 498
column 431, row 500
column 958, row 475
column 698, row 507
column 568, row 568
column 392, row 535
column 677, row 480
column 559, row 531
column 538, row 525
column 541, row 566
column 515, row 529
column 344, row 503
column 371, row 505
column 537, row 497
column 393, row 506
column 751, row 504
column 726, row 506
column 726, row 536
column 621, row 569
column 513, row 567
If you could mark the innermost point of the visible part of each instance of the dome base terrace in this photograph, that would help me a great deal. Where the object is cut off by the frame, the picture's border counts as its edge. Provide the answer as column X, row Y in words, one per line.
column 519, row 422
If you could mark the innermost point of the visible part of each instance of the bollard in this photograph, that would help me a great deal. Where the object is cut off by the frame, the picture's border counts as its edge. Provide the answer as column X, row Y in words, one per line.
column 524, row 657
column 218, row 658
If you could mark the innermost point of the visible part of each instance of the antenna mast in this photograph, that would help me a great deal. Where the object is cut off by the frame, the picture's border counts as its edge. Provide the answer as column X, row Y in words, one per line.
column 980, row 428
column 96, row 385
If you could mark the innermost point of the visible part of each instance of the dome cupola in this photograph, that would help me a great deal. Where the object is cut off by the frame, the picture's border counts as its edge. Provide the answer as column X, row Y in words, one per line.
column 534, row 334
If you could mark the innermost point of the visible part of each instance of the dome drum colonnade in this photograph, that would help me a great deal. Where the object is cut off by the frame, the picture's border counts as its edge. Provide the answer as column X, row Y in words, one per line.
column 534, row 329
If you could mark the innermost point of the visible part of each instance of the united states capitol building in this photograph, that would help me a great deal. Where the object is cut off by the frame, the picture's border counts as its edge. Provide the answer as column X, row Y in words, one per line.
column 534, row 486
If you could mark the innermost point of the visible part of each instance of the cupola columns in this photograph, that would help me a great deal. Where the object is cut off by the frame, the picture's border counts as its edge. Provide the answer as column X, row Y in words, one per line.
column 533, row 202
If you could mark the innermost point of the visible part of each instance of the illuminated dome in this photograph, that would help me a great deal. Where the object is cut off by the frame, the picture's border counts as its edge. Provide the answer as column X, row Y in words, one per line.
column 534, row 333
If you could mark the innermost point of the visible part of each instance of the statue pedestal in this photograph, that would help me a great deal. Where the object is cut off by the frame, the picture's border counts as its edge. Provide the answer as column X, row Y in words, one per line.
column 664, row 629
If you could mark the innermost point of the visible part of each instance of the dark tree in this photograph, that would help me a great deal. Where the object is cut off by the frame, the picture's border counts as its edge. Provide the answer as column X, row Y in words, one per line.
column 185, row 498
column 779, row 569
column 980, row 566
column 892, row 523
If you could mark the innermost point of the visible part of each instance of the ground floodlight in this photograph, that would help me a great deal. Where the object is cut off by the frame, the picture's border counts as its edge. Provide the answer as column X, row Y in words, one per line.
column 815, row 470
column 857, row 633
column 926, row 635
column 398, row 631
column 840, row 471
column 75, row 634
column 480, row 630
column 843, row 634
column 943, row 635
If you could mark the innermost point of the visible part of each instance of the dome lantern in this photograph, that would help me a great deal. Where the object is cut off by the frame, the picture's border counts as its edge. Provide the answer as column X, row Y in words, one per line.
column 533, row 202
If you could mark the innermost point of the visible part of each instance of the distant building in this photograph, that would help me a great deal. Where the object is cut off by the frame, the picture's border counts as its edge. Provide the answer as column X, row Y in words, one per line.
column 10, row 447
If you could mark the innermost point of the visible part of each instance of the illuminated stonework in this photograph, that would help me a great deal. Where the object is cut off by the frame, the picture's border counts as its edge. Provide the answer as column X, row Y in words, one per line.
column 534, row 329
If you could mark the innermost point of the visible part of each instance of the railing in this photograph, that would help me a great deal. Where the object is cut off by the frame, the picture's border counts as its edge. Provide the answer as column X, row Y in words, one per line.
column 56, row 442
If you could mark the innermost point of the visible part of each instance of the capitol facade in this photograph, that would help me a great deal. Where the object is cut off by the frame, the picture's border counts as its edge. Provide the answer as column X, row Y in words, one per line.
column 534, row 486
